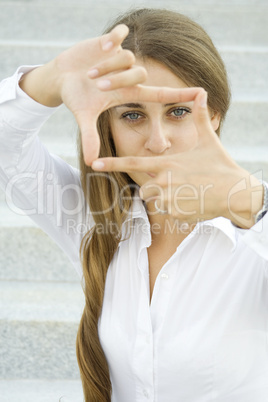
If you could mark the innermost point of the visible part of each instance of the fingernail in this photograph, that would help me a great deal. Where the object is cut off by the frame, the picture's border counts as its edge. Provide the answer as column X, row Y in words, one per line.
column 107, row 45
column 93, row 73
column 97, row 165
column 203, row 100
column 104, row 84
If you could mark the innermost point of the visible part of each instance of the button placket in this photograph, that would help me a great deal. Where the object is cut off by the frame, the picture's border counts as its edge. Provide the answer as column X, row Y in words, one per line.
column 143, row 361
column 148, row 338
column 162, row 291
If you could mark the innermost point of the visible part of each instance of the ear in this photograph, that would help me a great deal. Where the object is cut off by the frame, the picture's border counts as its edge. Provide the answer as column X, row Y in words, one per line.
column 215, row 119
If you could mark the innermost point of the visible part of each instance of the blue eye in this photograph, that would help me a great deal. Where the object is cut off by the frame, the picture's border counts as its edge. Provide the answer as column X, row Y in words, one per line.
column 131, row 116
column 180, row 112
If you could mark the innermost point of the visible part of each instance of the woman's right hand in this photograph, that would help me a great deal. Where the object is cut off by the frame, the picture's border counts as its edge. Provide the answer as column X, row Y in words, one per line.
column 67, row 79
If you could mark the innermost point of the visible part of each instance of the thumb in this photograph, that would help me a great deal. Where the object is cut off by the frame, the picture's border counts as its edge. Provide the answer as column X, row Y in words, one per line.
column 202, row 119
column 89, row 136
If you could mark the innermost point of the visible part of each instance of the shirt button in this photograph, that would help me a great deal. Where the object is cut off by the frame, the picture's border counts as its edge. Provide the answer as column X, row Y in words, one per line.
column 148, row 338
column 145, row 393
column 164, row 276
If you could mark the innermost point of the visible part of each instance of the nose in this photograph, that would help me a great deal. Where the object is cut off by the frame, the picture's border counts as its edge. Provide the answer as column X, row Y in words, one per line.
column 158, row 139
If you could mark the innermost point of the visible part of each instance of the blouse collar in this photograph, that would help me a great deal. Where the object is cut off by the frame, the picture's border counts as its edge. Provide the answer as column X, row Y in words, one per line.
column 138, row 211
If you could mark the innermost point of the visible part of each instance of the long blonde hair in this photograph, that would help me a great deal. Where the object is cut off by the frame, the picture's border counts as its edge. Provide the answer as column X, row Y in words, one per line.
column 184, row 47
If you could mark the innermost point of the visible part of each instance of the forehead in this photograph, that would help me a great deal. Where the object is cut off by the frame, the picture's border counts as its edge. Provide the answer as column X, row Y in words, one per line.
column 160, row 75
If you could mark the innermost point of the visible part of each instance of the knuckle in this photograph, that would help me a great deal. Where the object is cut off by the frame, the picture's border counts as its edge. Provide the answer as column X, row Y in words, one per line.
column 128, row 56
column 132, row 162
column 103, row 67
column 142, row 74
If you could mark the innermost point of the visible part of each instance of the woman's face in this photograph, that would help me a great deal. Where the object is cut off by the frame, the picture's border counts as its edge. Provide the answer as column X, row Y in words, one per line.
column 154, row 129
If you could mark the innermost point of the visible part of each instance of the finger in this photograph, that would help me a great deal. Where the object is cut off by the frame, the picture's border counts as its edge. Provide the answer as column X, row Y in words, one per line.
column 114, row 38
column 127, row 164
column 89, row 136
column 156, row 94
column 202, row 119
column 120, row 61
column 129, row 78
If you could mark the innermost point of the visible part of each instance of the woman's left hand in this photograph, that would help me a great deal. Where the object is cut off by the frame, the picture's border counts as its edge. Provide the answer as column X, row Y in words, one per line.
column 199, row 184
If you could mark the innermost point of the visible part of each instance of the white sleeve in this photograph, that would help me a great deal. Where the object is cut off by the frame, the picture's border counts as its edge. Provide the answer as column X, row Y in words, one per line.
column 257, row 237
column 36, row 182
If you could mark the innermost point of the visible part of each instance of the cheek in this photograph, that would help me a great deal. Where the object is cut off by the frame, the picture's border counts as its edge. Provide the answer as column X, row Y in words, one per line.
column 123, row 147
column 185, row 138
column 127, row 143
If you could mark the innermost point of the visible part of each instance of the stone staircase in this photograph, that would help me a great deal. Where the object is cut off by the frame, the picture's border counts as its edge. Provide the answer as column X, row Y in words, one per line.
column 41, row 300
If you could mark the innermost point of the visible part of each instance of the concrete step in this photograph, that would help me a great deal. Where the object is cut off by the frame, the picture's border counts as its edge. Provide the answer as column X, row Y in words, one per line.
column 41, row 391
column 27, row 253
column 240, row 63
column 149, row 3
column 38, row 327
column 227, row 22
column 255, row 160
column 246, row 123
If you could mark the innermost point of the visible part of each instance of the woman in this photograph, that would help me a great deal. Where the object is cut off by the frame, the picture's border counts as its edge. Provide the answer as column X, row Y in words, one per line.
column 174, row 268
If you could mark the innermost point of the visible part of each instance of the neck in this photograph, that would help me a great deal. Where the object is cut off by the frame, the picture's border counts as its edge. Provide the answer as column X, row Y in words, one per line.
column 166, row 228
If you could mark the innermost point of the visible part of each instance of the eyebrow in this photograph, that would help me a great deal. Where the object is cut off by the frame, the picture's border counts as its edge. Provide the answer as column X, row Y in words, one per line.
column 140, row 106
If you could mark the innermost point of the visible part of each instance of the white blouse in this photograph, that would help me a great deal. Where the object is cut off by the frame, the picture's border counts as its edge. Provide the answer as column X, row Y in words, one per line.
column 204, row 336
